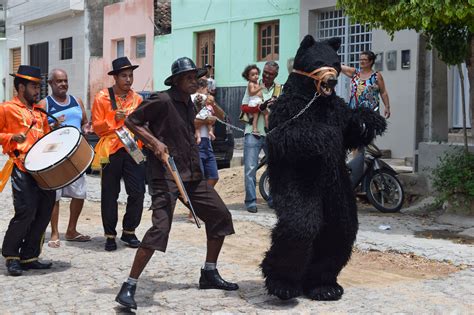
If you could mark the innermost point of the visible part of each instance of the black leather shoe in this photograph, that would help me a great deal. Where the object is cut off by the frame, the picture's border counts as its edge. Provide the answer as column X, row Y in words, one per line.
column 210, row 279
column 252, row 210
column 35, row 265
column 14, row 267
column 130, row 240
column 126, row 296
column 110, row 244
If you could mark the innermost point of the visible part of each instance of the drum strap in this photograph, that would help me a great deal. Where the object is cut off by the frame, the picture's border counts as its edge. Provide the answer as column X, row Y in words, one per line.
column 112, row 98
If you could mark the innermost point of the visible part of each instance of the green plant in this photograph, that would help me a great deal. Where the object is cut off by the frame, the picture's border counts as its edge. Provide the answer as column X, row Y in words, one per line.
column 454, row 176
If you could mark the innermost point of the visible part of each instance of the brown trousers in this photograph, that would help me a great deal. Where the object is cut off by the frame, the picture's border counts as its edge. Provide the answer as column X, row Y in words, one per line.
column 207, row 204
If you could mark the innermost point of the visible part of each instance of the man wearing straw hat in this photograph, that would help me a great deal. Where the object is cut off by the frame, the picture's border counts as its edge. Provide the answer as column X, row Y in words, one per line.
column 109, row 110
column 21, row 125
column 170, row 117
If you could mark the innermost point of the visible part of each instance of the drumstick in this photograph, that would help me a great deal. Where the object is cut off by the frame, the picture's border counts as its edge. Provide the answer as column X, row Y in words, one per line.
column 33, row 122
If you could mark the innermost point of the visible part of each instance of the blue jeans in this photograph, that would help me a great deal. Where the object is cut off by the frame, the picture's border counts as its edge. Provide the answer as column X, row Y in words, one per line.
column 252, row 148
column 208, row 159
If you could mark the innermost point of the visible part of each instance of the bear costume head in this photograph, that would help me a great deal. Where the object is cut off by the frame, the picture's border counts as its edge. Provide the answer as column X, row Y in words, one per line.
column 319, row 63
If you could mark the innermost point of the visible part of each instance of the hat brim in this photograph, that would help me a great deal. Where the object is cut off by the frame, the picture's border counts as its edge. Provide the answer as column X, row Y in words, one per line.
column 200, row 72
column 114, row 72
column 26, row 77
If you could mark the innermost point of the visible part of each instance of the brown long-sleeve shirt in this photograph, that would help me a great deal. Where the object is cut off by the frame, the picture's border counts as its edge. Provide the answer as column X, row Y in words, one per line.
column 170, row 117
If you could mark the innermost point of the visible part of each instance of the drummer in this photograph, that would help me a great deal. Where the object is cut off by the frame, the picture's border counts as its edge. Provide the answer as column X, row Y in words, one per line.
column 21, row 125
column 112, row 158
column 69, row 111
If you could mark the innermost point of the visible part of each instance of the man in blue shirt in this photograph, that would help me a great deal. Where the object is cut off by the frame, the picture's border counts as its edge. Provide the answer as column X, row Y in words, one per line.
column 70, row 111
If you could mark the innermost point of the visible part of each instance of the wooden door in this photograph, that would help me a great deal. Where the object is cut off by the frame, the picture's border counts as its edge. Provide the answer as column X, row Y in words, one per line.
column 16, row 61
column 206, row 49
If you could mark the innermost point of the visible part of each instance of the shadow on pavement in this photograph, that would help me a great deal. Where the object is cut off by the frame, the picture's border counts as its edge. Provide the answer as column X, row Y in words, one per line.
column 58, row 266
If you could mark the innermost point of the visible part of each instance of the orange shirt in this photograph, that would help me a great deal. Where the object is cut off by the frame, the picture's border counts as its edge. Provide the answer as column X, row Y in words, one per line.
column 103, row 116
column 15, row 118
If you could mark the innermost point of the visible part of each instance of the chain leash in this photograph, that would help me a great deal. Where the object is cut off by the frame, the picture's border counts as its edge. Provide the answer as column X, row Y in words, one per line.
column 230, row 125
column 316, row 95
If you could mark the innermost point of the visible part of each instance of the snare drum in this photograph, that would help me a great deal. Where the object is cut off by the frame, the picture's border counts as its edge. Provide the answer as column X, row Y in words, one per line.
column 59, row 158
column 130, row 144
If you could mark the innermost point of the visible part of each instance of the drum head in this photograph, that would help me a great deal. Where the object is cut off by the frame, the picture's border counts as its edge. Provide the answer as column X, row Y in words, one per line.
column 52, row 148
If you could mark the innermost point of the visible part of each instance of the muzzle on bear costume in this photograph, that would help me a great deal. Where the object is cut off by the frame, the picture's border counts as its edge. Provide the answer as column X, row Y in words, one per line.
column 325, row 79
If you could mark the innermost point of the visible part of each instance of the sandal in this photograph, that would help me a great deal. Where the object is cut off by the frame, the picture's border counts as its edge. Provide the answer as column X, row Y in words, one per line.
column 54, row 244
column 79, row 238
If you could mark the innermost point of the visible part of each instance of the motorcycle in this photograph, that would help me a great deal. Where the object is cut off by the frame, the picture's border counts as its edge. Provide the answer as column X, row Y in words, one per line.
column 376, row 178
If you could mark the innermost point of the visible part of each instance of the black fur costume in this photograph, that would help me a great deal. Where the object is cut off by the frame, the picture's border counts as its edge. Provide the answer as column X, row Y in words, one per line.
column 314, row 202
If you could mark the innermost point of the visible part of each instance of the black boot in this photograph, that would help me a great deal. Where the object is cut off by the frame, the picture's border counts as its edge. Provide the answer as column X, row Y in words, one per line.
column 130, row 240
column 14, row 267
column 126, row 296
column 210, row 279
column 110, row 244
column 35, row 265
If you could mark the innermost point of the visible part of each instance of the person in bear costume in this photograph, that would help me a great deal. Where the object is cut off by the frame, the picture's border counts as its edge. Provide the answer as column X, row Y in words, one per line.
column 313, row 197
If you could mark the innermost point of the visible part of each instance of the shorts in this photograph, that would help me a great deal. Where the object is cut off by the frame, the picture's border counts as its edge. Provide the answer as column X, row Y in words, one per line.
column 207, row 204
column 77, row 189
column 208, row 159
column 254, row 101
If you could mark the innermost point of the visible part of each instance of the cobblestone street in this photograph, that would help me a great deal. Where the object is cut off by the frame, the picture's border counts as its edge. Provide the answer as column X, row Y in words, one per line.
column 85, row 278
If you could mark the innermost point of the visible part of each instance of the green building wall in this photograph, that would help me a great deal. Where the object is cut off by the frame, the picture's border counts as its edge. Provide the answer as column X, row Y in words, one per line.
column 235, row 26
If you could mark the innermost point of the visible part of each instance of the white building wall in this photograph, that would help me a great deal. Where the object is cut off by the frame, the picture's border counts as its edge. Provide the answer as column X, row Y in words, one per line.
column 3, row 70
column 35, row 10
column 401, row 87
column 22, row 14
column 401, row 84
column 52, row 32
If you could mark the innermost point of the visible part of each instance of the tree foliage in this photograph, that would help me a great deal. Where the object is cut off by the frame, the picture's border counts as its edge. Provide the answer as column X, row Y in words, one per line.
column 449, row 24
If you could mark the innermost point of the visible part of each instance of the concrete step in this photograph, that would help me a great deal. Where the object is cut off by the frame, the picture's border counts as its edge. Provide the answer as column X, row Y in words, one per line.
column 458, row 137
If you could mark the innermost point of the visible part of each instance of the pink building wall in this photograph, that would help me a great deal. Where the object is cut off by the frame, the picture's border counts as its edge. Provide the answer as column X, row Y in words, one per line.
column 124, row 21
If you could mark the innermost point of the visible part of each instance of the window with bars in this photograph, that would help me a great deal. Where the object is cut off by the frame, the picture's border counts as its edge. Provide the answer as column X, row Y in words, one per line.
column 3, row 17
column 66, row 48
column 356, row 38
column 268, row 41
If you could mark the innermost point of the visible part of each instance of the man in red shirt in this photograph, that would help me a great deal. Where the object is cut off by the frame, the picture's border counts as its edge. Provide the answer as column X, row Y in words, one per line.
column 114, row 160
column 21, row 125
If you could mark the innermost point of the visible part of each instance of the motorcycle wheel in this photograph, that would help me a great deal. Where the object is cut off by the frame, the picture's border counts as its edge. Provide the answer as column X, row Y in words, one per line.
column 264, row 185
column 384, row 191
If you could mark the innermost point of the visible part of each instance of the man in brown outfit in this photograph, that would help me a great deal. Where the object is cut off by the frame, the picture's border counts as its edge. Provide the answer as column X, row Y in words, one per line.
column 165, row 124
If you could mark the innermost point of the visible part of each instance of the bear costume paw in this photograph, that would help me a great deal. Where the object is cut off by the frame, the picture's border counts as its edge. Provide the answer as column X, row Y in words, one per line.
column 327, row 292
column 282, row 289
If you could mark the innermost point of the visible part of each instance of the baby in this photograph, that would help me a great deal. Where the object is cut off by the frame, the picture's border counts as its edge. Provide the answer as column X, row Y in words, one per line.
column 254, row 90
column 206, row 111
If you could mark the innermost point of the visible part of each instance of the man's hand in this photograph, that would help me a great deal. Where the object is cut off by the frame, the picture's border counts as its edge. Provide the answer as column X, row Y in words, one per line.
column 120, row 115
column 198, row 100
column 87, row 128
column 266, row 104
column 59, row 121
column 19, row 137
column 159, row 149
